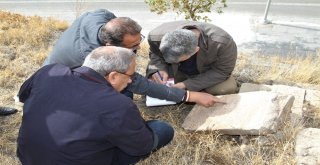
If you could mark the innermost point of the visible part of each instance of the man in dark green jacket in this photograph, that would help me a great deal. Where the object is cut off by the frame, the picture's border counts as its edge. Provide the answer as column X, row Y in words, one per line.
column 200, row 56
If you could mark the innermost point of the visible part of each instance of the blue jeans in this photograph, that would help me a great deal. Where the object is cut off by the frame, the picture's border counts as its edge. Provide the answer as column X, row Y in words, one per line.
column 161, row 129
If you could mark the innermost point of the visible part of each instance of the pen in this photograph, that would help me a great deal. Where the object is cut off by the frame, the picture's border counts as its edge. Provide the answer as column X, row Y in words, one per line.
column 159, row 75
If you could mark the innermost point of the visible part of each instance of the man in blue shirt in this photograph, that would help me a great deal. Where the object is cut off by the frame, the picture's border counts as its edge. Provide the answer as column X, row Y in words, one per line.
column 78, row 117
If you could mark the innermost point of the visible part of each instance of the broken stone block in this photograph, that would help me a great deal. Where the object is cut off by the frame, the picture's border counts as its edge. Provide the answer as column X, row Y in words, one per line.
column 308, row 146
column 298, row 94
column 270, row 139
column 313, row 97
column 251, row 113
column 313, row 103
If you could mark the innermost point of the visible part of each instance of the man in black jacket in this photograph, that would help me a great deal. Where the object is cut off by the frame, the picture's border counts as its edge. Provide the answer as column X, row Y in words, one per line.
column 77, row 116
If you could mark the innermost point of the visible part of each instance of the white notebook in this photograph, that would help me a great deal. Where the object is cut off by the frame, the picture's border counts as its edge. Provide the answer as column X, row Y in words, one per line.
column 150, row 101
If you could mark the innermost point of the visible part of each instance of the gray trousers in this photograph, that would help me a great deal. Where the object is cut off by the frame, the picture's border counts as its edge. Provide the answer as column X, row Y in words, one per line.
column 228, row 86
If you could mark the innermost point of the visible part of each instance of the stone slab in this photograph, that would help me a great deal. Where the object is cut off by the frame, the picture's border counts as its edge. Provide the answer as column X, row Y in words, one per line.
column 313, row 98
column 308, row 147
column 251, row 113
column 298, row 93
column 312, row 103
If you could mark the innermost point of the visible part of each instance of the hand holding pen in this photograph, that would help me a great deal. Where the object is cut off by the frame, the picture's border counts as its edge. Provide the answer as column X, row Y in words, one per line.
column 160, row 77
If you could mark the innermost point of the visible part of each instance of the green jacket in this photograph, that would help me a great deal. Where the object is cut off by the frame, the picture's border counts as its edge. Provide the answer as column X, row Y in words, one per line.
column 216, row 58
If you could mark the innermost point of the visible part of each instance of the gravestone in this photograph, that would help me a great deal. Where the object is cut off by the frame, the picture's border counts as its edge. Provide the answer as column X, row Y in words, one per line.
column 251, row 113
column 298, row 93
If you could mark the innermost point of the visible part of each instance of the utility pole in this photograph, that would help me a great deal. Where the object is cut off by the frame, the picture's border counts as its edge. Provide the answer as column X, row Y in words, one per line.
column 265, row 20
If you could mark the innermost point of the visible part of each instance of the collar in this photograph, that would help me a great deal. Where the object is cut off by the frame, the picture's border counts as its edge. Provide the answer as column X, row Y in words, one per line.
column 91, row 75
column 202, row 38
column 98, row 36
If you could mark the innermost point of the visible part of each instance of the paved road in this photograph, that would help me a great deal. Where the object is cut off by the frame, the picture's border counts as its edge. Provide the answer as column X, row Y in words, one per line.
column 295, row 27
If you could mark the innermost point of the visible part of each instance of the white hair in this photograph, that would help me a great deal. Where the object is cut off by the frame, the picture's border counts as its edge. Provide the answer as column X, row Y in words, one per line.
column 178, row 43
column 106, row 59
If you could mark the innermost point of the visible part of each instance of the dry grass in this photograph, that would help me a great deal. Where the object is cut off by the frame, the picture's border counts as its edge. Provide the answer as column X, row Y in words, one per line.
column 279, row 69
column 25, row 41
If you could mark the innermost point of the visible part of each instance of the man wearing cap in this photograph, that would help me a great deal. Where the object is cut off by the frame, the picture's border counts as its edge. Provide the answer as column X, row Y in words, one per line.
column 200, row 57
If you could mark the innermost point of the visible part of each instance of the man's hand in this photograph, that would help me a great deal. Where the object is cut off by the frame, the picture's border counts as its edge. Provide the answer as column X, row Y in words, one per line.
column 180, row 85
column 160, row 77
column 204, row 99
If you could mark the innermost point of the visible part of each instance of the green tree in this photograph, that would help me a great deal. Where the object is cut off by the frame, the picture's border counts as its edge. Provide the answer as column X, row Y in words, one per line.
column 191, row 8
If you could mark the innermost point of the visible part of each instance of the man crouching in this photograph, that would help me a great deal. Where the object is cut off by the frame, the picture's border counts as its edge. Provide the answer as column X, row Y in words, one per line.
column 77, row 116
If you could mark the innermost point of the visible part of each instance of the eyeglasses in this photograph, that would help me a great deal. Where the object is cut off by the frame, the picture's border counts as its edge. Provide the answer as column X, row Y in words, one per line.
column 130, row 76
column 142, row 38
column 135, row 47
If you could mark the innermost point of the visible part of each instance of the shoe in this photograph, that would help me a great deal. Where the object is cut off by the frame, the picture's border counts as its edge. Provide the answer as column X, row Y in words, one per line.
column 7, row 111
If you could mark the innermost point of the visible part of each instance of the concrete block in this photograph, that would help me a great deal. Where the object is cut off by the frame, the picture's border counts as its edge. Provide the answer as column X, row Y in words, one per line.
column 297, row 92
column 308, row 147
column 313, row 98
column 251, row 113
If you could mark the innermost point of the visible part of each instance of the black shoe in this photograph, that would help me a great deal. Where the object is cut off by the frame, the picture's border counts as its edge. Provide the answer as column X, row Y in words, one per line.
column 7, row 111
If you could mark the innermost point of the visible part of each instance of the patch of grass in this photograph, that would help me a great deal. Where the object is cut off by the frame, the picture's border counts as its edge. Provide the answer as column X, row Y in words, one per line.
column 26, row 41
column 32, row 31
column 279, row 69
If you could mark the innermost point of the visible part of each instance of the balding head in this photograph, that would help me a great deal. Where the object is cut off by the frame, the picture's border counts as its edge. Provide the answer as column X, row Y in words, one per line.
column 115, row 30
